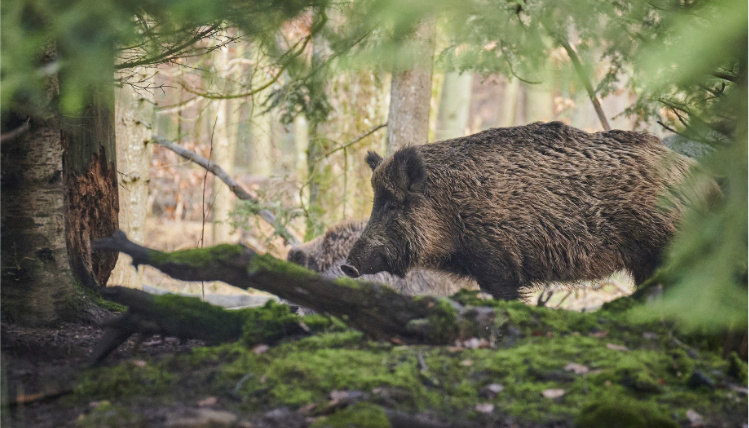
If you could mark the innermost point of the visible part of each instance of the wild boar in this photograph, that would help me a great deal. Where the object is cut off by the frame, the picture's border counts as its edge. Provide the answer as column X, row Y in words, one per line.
column 510, row 207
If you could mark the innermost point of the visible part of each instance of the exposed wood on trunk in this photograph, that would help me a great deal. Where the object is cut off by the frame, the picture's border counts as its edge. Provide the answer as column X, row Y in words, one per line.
column 372, row 308
column 91, row 194
column 410, row 92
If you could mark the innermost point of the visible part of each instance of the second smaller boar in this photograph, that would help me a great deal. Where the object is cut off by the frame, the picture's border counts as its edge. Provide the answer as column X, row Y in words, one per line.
column 328, row 252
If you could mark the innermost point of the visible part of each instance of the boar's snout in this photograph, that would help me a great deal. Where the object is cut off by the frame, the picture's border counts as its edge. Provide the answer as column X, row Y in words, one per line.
column 350, row 271
column 365, row 262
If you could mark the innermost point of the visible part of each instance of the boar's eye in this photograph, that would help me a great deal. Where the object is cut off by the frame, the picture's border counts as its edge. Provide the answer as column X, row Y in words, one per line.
column 390, row 206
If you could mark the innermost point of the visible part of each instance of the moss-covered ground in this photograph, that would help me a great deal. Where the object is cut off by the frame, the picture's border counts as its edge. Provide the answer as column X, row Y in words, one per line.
column 543, row 367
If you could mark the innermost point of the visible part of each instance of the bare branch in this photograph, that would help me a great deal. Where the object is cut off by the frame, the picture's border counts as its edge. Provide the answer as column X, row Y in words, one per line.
column 583, row 76
column 15, row 133
column 235, row 187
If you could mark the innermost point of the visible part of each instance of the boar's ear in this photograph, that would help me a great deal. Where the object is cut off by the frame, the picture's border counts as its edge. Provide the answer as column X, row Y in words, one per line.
column 411, row 170
column 373, row 160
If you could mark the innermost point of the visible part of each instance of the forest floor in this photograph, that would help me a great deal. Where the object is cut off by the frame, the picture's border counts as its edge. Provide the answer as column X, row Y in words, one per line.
column 544, row 368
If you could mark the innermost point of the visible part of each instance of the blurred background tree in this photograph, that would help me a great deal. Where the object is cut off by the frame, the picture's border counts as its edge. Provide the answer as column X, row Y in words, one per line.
column 299, row 92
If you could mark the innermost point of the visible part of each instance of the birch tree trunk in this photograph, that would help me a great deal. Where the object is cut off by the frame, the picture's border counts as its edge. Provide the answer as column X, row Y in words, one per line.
column 59, row 192
column 455, row 104
column 224, row 148
column 509, row 103
column 410, row 92
column 134, row 115
column 261, row 159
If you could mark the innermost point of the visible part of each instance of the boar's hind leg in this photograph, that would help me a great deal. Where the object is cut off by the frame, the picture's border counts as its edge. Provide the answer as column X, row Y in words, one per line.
column 499, row 286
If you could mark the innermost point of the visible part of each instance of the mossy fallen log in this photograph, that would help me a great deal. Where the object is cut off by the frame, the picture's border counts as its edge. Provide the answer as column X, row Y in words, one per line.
column 372, row 308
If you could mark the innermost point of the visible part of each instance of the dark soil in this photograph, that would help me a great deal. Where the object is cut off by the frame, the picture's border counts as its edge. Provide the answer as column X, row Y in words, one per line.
column 41, row 365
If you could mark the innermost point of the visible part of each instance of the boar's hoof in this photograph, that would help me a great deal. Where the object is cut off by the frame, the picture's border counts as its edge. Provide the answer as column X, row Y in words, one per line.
column 350, row 271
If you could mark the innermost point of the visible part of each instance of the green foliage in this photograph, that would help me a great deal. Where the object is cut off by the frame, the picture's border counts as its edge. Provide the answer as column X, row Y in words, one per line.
column 78, row 40
column 706, row 267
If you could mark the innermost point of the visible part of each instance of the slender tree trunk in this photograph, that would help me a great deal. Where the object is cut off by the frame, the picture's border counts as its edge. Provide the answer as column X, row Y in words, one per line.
column 410, row 93
column 59, row 192
column 509, row 103
column 301, row 142
column 261, row 160
column 455, row 104
column 539, row 105
column 134, row 114
column 224, row 148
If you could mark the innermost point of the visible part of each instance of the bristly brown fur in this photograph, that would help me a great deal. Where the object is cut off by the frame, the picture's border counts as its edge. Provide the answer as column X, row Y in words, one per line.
column 512, row 206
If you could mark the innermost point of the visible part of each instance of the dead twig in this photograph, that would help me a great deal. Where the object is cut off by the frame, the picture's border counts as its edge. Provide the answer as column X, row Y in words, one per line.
column 236, row 188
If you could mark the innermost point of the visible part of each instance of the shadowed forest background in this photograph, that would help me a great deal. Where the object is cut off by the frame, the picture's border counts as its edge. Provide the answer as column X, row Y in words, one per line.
column 288, row 97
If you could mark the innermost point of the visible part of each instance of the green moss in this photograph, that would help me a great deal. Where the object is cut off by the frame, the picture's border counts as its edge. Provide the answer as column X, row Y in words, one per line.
column 360, row 415
column 737, row 368
column 107, row 415
column 623, row 413
column 124, row 380
column 266, row 262
column 192, row 314
column 197, row 257
column 98, row 300
column 442, row 321
column 269, row 323
column 534, row 345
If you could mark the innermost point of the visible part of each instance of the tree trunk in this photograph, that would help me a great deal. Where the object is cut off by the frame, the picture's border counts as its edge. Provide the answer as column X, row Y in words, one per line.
column 261, row 160
column 455, row 104
column 509, row 103
column 410, row 93
column 224, row 148
column 46, row 241
column 91, row 194
column 539, row 105
column 134, row 114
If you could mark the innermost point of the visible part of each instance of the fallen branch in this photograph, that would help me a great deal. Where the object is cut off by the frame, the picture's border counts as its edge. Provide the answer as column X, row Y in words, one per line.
column 374, row 309
column 235, row 187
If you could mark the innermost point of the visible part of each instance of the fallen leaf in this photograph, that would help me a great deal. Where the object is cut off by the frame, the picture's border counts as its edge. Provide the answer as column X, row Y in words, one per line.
column 307, row 408
column 491, row 390
column 466, row 363
column 260, row 349
column 602, row 333
column 207, row 402
column 485, row 407
column 615, row 347
column 472, row 343
column 577, row 368
column 553, row 393
column 649, row 335
column 695, row 419
column 139, row 363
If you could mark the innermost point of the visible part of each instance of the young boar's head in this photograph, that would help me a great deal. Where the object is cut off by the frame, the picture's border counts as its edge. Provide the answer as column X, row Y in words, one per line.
column 400, row 229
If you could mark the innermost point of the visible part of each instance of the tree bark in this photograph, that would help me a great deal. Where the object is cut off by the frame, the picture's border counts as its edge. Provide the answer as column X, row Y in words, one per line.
column 374, row 309
column 134, row 114
column 91, row 194
column 410, row 93
column 38, row 281
column 224, row 148
column 509, row 103
column 455, row 103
